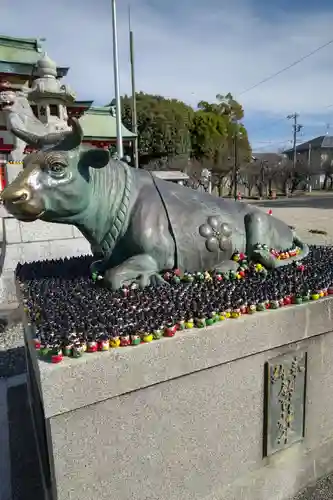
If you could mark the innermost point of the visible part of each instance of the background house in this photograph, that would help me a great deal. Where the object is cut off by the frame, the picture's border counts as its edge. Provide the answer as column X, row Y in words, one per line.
column 317, row 153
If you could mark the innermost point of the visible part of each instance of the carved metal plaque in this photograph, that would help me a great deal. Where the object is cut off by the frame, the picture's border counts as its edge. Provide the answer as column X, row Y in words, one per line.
column 285, row 384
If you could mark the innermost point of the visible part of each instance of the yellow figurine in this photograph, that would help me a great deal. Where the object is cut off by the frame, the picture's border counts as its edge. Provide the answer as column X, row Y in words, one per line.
column 208, row 276
column 114, row 342
column 236, row 313
column 189, row 323
column 147, row 337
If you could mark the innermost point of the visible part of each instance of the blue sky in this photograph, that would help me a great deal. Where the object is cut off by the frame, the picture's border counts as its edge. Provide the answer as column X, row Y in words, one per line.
column 194, row 49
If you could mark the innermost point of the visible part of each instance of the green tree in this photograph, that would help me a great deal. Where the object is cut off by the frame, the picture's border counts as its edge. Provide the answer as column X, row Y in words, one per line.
column 169, row 128
column 163, row 125
column 219, row 135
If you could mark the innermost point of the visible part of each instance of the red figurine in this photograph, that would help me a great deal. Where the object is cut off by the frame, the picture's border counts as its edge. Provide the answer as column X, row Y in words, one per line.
column 287, row 301
column 125, row 340
column 170, row 331
column 36, row 343
column 92, row 346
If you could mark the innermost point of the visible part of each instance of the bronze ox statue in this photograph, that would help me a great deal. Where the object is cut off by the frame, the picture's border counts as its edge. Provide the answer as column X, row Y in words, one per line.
column 138, row 225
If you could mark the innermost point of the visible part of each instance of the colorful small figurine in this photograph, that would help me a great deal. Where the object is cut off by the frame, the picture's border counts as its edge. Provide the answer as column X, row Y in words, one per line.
column 158, row 333
column 37, row 343
column 251, row 309
column 170, row 330
column 200, row 322
column 189, row 323
column 135, row 339
column 114, row 342
column 77, row 349
column 92, row 346
column 236, row 313
column 125, row 340
column 57, row 298
column 147, row 337
column 56, row 354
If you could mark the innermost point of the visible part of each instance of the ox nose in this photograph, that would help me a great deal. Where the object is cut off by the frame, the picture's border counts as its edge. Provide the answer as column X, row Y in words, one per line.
column 16, row 196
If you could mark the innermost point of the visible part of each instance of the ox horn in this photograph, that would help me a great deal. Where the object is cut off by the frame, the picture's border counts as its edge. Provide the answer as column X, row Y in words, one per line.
column 65, row 140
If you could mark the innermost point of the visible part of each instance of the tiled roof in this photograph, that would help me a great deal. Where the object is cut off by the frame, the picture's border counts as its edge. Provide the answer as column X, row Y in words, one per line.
column 97, row 123
column 327, row 142
column 323, row 141
column 18, row 52
column 269, row 157
column 170, row 175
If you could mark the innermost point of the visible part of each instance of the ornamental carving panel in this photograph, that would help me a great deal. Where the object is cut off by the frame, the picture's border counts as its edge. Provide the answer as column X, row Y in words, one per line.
column 285, row 384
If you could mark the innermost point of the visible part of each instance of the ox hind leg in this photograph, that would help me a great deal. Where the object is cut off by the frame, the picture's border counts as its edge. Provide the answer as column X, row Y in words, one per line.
column 141, row 269
column 258, row 230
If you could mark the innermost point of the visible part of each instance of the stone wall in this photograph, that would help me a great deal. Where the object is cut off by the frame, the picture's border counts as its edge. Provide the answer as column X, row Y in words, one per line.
column 184, row 418
column 27, row 242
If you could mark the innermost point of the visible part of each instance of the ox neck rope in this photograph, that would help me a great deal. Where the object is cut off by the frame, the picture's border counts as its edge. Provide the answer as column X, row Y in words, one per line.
column 110, row 239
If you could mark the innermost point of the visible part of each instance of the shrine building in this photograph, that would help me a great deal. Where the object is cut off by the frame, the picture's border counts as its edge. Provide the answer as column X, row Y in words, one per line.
column 25, row 66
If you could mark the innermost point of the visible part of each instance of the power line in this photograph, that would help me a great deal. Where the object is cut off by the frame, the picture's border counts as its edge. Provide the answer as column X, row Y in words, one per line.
column 268, row 125
column 298, row 61
column 279, row 120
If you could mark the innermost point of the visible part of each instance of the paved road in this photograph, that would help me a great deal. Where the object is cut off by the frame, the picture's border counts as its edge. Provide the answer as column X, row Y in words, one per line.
column 305, row 213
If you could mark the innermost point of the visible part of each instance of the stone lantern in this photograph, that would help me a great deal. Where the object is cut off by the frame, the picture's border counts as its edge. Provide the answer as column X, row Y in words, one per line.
column 48, row 97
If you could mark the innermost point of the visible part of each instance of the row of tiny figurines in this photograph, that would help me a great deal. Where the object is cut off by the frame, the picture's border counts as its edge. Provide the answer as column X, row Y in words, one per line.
column 76, row 347
column 176, row 277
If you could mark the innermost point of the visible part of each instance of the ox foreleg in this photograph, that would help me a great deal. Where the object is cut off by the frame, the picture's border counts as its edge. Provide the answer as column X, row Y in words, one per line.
column 141, row 269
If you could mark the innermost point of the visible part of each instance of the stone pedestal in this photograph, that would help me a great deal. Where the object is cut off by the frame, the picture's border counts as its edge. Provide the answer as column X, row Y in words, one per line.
column 186, row 418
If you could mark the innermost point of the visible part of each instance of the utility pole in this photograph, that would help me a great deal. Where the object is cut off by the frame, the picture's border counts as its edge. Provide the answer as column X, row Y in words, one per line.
column 235, row 165
column 120, row 150
column 134, row 112
column 296, row 129
column 309, row 156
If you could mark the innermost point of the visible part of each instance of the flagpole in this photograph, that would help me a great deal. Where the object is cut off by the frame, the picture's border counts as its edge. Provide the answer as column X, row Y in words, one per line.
column 134, row 112
column 120, row 150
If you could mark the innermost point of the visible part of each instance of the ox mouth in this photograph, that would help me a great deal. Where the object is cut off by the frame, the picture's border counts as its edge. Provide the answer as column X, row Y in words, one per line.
column 28, row 217
column 6, row 104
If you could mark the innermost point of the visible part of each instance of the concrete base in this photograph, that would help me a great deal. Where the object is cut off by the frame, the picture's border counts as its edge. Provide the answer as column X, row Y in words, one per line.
column 182, row 418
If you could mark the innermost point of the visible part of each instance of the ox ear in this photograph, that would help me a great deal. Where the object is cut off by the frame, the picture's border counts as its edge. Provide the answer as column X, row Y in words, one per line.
column 94, row 158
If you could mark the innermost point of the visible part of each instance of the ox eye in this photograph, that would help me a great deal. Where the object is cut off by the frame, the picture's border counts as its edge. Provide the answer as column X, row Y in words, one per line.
column 57, row 169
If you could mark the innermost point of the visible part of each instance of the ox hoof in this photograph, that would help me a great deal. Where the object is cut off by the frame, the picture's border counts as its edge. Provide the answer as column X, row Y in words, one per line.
column 227, row 266
column 151, row 279
column 115, row 282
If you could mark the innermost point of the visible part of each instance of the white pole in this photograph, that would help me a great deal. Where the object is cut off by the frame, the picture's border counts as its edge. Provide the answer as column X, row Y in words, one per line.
column 120, row 150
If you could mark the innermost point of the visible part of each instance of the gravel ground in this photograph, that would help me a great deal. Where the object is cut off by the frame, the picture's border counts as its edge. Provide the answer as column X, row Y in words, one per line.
column 323, row 490
column 12, row 357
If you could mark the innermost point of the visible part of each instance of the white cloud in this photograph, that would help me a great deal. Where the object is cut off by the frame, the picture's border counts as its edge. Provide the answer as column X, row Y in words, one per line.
column 185, row 51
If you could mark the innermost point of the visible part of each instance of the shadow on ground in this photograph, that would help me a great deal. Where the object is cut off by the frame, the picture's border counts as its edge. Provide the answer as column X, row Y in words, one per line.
column 25, row 475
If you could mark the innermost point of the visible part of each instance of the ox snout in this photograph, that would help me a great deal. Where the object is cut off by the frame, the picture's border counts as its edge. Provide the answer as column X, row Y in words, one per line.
column 22, row 203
